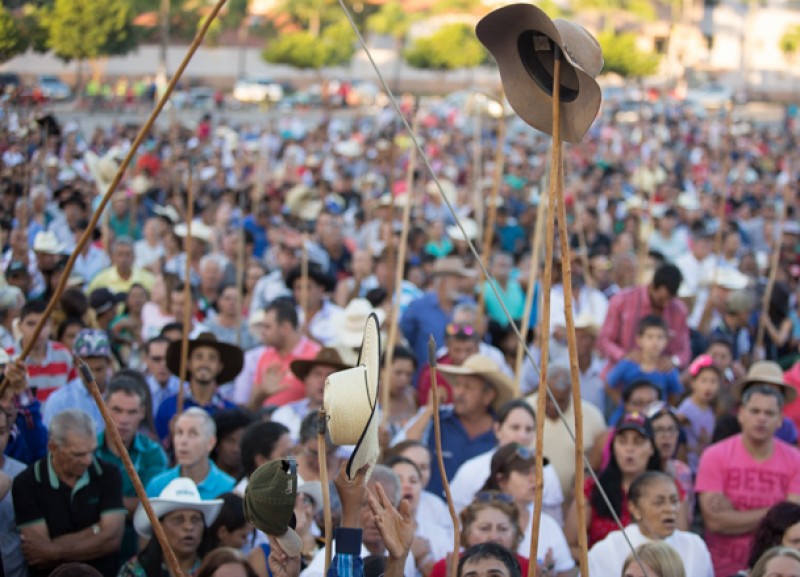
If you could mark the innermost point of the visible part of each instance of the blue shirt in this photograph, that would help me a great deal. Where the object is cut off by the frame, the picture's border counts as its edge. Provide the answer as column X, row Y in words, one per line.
column 73, row 395
column 28, row 437
column 422, row 318
column 627, row 372
column 170, row 405
column 215, row 484
column 457, row 447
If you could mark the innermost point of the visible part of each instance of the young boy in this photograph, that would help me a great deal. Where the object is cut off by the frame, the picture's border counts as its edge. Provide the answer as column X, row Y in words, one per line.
column 647, row 362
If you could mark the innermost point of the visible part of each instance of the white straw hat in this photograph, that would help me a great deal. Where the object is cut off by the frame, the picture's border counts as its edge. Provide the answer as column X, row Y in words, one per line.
column 178, row 495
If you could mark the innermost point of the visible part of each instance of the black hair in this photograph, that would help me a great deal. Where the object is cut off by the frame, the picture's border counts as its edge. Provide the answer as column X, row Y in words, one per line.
column 668, row 276
column 506, row 460
column 721, row 340
column 402, row 353
column 285, row 312
column 490, row 550
column 67, row 323
column 154, row 340
column 75, row 570
column 228, row 422
column 169, row 327
column 770, row 531
column 643, row 481
column 651, row 322
column 259, row 438
column 33, row 307
column 133, row 383
column 231, row 516
column 513, row 404
column 400, row 460
column 74, row 302
column 629, row 389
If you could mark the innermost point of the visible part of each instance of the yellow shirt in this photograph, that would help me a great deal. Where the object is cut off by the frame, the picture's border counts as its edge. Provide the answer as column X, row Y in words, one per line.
column 111, row 280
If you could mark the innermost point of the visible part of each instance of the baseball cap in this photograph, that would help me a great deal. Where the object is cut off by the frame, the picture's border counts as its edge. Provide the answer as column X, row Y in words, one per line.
column 269, row 503
column 103, row 300
column 92, row 343
column 632, row 422
column 16, row 267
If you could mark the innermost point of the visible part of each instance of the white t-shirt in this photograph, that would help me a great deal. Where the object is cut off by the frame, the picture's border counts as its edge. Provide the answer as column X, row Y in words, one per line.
column 432, row 510
column 608, row 556
column 317, row 566
column 551, row 537
column 471, row 476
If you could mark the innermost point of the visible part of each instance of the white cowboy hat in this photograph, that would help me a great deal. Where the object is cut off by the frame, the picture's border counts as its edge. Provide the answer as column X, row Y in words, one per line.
column 488, row 369
column 356, row 313
column 178, row 495
column 587, row 321
column 200, row 231
column 167, row 212
column 303, row 202
column 448, row 188
column 731, row 279
column 688, row 201
column 46, row 242
column 349, row 148
column 522, row 39
column 351, row 400
column 470, row 228
column 103, row 169
column 140, row 184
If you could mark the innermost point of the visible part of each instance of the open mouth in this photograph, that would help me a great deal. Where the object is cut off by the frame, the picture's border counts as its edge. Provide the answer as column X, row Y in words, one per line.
column 668, row 522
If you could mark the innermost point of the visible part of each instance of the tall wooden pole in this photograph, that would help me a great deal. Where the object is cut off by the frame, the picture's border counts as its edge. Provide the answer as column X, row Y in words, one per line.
column 773, row 274
column 240, row 272
column 322, row 451
column 187, row 292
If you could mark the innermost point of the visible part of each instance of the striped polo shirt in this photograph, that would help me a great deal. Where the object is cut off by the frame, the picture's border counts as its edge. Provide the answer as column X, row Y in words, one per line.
column 53, row 372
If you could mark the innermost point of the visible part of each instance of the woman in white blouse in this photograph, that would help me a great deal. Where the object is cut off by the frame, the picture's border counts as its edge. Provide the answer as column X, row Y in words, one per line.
column 654, row 503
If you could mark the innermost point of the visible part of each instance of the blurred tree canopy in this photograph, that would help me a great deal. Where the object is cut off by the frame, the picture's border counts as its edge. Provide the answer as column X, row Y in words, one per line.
column 451, row 46
column 623, row 57
column 12, row 37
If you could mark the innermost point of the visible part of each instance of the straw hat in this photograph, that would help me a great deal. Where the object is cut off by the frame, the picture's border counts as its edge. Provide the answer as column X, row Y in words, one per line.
column 453, row 266
column 522, row 39
column 351, row 400
column 231, row 356
column 765, row 373
column 486, row 368
column 200, row 231
column 731, row 279
column 355, row 316
column 587, row 321
column 103, row 169
column 303, row 202
column 45, row 242
column 180, row 494
column 470, row 227
column 325, row 357
column 167, row 212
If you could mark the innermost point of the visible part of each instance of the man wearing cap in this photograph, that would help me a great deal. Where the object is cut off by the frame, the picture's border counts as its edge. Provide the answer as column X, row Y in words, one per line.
column 741, row 477
column 210, row 364
column 122, row 274
column 429, row 314
column 480, row 388
column 69, row 505
column 93, row 346
column 322, row 319
column 313, row 373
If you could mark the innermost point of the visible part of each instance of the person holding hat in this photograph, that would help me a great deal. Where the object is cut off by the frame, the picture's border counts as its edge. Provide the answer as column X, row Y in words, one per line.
column 94, row 347
column 322, row 319
column 480, row 388
column 122, row 274
column 313, row 373
column 184, row 515
column 741, row 477
column 209, row 365
column 430, row 313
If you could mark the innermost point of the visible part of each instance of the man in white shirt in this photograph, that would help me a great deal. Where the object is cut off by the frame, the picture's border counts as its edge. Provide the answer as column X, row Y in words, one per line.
column 697, row 268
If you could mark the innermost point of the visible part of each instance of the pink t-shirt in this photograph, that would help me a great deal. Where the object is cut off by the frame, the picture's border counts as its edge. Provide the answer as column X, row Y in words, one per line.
column 726, row 467
column 294, row 389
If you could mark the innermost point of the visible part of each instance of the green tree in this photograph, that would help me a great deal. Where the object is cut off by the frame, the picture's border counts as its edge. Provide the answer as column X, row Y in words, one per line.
column 790, row 41
column 452, row 46
column 392, row 20
column 622, row 56
column 12, row 38
column 33, row 29
column 302, row 49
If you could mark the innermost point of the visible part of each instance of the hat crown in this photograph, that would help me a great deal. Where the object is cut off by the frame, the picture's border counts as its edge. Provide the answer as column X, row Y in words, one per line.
column 581, row 47
column 765, row 370
column 91, row 343
column 182, row 490
column 330, row 355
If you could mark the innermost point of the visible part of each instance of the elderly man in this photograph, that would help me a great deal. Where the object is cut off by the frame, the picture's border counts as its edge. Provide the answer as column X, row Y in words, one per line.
column 741, row 477
column 125, row 398
column 210, row 364
column 559, row 447
column 480, row 388
column 195, row 438
column 69, row 504
column 122, row 274
column 429, row 314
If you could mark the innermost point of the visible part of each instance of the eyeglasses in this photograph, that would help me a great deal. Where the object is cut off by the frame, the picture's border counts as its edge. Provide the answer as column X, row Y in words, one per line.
column 520, row 452
column 459, row 330
column 493, row 496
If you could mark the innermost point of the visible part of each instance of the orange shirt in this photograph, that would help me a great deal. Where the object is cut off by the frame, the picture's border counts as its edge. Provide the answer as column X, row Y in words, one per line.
column 294, row 389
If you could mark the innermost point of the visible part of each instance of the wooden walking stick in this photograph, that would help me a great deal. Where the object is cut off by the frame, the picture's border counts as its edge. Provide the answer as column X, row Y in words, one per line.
column 240, row 270
column 773, row 273
column 304, row 284
column 87, row 234
column 187, row 293
column 575, row 373
column 437, row 435
column 398, row 283
column 555, row 163
column 533, row 273
column 113, row 434
column 581, row 233
column 322, row 451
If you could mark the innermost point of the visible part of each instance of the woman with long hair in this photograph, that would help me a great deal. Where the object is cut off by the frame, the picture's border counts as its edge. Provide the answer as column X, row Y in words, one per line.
column 779, row 527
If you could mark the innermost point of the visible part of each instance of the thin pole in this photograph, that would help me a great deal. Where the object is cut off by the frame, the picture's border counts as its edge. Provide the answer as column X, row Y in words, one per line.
column 437, row 433
column 187, row 292
column 555, row 163
column 113, row 434
column 398, row 282
column 587, row 273
column 533, row 273
column 240, row 270
column 773, row 274
column 87, row 234
column 322, row 450
column 304, row 284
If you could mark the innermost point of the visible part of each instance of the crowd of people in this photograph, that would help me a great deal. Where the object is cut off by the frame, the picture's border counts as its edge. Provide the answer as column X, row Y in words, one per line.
column 685, row 257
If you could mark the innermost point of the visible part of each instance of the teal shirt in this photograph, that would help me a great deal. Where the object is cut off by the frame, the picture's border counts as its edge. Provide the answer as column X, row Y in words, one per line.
column 215, row 484
column 513, row 296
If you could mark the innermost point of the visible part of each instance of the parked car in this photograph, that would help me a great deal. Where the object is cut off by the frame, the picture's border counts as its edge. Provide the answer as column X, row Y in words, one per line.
column 257, row 90
column 53, row 88
column 9, row 81
column 711, row 96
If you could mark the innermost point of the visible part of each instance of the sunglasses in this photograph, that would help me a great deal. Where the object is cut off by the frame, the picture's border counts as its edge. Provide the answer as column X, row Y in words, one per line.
column 493, row 497
column 459, row 330
column 520, row 452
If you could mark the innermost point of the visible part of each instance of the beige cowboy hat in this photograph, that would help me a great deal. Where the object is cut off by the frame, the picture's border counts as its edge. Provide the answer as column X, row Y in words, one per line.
column 765, row 373
column 486, row 368
column 200, row 231
column 180, row 494
column 103, row 169
column 140, row 184
column 351, row 401
column 303, row 202
column 522, row 39
column 351, row 331
column 453, row 266
column 46, row 242
column 470, row 228
column 586, row 321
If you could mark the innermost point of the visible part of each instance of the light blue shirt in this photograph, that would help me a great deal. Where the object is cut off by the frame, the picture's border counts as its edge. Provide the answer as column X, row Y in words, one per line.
column 73, row 395
column 215, row 484
column 13, row 561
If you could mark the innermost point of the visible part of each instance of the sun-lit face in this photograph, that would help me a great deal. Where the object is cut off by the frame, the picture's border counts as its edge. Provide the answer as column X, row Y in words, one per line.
column 491, row 526
column 657, row 509
column 421, row 457
column 518, row 427
column 791, row 537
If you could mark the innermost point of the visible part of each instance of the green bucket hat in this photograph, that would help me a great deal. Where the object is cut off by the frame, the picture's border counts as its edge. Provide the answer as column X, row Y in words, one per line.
column 269, row 503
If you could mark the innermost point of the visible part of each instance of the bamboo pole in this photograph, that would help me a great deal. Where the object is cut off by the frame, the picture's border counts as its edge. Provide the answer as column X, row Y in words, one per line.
column 87, row 234
column 113, row 434
column 322, row 450
column 773, row 274
column 437, row 432
column 555, row 163
column 643, row 240
column 187, row 293
column 533, row 273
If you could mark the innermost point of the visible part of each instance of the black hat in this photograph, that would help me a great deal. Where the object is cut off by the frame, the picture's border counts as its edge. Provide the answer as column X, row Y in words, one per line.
column 74, row 198
column 103, row 300
column 315, row 273
column 16, row 267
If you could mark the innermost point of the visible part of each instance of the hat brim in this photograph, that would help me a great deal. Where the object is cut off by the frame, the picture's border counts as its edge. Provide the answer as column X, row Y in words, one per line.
column 326, row 281
column 500, row 382
column 301, row 367
column 789, row 392
column 210, row 510
column 631, row 427
column 93, row 164
column 231, row 356
column 502, row 31
column 367, row 449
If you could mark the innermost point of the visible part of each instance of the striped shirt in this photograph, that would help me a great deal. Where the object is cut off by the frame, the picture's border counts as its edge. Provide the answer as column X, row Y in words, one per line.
column 51, row 373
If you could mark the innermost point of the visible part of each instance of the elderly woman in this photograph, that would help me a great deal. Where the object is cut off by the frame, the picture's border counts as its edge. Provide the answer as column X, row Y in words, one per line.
column 653, row 503
column 777, row 562
column 656, row 559
column 184, row 517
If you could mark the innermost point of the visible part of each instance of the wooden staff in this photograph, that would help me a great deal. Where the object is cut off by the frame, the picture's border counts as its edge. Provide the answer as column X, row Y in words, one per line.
column 187, row 292
column 499, row 161
column 111, row 432
column 536, row 257
column 581, row 233
column 322, row 450
column 555, row 163
column 566, row 273
column 304, row 284
column 437, row 435
column 773, row 273
column 240, row 269
column 398, row 282
column 87, row 234
column 477, row 161
column 643, row 244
